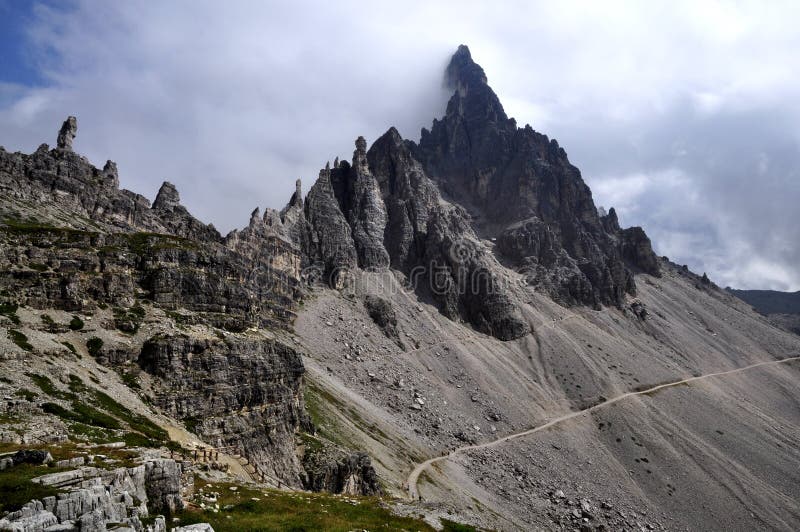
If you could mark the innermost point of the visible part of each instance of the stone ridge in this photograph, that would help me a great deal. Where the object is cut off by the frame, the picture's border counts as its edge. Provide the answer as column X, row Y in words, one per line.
column 74, row 241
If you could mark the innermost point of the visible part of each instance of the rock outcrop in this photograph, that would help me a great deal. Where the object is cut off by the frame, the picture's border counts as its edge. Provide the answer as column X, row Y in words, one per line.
column 97, row 498
column 382, row 211
column 67, row 133
column 238, row 393
column 334, row 470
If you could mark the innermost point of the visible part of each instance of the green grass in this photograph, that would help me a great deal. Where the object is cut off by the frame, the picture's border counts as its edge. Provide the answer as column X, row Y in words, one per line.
column 130, row 378
column 58, row 410
column 287, row 511
column 191, row 424
column 141, row 243
column 92, row 416
column 45, row 384
column 90, row 433
column 108, row 414
column 71, row 348
column 76, row 324
column 94, row 345
column 129, row 320
column 134, row 439
column 137, row 422
column 19, row 338
column 17, row 488
column 76, row 384
column 452, row 526
column 9, row 310
column 26, row 394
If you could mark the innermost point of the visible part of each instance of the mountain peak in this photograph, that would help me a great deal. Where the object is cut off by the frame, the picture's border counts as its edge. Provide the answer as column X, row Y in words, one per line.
column 462, row 72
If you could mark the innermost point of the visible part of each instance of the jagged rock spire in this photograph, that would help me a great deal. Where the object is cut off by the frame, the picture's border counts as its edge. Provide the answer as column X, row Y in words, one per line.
column 463, row 72
column 111, row 173
column 297, row 199
column 69, row 129
column 255, row 217
column 360, row 155
column 167, row 197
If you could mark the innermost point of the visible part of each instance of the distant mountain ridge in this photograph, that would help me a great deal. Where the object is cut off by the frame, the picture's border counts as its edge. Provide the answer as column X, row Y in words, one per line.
column 770, row 301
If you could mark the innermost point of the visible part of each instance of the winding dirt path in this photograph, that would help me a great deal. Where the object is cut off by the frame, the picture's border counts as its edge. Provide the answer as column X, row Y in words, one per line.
column 413, row 478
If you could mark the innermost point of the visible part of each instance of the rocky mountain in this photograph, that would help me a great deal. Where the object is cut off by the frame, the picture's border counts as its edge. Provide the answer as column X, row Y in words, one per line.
column 451, row 323
column 770, row 301
column 173, row 299
column 522, row 191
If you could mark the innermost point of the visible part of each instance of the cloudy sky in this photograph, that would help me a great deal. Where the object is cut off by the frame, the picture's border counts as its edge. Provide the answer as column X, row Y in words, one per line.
column 685, row 116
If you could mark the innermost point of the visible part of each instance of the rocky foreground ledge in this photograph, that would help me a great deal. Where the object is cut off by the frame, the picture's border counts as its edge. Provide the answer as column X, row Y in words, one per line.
column 93, row 498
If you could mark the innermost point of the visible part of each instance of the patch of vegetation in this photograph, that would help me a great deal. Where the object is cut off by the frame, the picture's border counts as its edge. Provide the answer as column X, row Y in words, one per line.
column 45, row 384
column 82, row 413
column 9, row 310
column 76, row 384
column 180, row 319
column 28, row 395
column 6, row 380
column 136, row 422
column 452, row 526
column 34, row 227
column 38, row 266
column 319, row 403
column 71, row 348
column 191, row 424
column 92, row 416
column 129, row 320
column 134, row 439
column 8, row 419
column 17, row 488
column 47, row 320
column 141, row 243
column 76, row 324
column 312, row 444
column 249, row 509
column 94, row 345
column 87, row 432
column 109, row 414
column 58, row 410
column 19, row 338
column 130, row 378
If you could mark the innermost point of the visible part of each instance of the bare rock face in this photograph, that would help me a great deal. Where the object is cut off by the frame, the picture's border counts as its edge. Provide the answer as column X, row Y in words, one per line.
column 521, row 189
column 435, row 242
column 384, row 316
column 67, row 133
column 167, row 197
column 111, row 173
column 240, row 393
column 328, row 245
column 336, row 471
column 360, row 198
column 638, row 251
column 384, row 211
